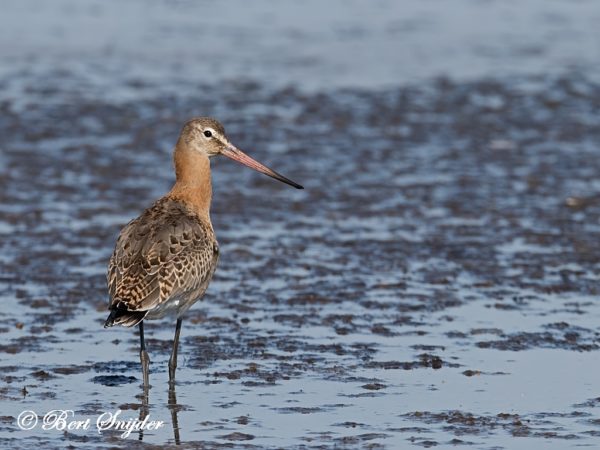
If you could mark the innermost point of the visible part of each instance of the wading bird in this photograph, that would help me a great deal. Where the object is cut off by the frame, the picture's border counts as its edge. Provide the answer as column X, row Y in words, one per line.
column 164, row 259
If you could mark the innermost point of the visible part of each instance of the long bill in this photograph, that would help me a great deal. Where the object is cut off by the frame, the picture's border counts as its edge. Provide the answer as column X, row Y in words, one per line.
column 239, row 156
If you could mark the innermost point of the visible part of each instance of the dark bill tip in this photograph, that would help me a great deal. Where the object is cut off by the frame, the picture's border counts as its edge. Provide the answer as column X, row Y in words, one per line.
column 241, row 157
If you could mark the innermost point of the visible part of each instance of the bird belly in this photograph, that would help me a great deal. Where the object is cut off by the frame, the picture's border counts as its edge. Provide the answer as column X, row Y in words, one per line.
column 176, row 306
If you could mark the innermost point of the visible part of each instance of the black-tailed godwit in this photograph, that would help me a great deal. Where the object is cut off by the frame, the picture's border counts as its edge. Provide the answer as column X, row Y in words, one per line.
column 164, row 259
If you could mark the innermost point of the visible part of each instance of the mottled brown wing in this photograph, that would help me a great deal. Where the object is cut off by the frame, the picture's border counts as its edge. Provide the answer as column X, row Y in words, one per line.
column 162, row 254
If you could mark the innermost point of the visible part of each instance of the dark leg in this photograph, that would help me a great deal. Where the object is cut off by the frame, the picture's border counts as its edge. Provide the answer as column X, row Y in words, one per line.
column 173, row 359
column 174, row 407
column 145, row 360
column 144, row 411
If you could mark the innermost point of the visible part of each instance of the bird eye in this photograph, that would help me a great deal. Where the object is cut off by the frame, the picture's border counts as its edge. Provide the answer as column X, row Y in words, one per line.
column 207, row 133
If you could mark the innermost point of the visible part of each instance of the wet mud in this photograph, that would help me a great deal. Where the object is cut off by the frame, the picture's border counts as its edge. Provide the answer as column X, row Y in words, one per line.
column 435, row 284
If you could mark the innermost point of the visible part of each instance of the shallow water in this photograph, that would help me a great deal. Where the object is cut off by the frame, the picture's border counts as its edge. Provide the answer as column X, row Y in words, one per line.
column 313, row 44
column 434, row 285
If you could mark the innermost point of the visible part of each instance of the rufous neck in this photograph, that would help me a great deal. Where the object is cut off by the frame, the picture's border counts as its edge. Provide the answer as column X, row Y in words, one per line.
column 193, row 185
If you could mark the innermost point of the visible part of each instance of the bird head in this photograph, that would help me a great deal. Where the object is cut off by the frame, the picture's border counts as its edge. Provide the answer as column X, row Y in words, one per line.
column 207, row 136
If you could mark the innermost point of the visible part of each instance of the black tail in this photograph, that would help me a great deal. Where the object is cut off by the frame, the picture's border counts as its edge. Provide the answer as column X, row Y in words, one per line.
column 120, row 315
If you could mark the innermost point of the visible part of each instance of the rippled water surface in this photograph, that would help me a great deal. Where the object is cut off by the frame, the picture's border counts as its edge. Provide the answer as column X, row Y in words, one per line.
column 435, row 284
